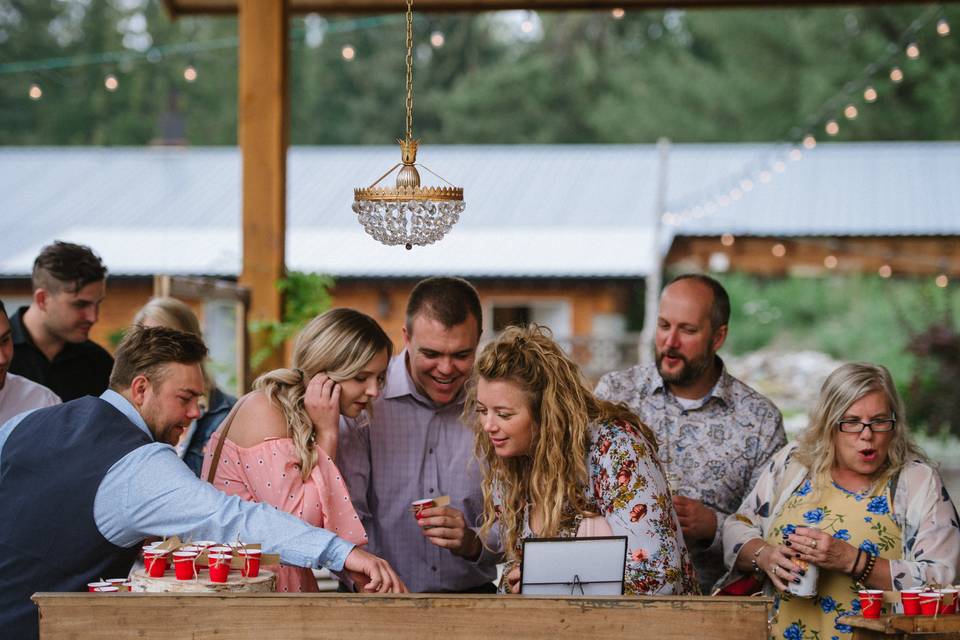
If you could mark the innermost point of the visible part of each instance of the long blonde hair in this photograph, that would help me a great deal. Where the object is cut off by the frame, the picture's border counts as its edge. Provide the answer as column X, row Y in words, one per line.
column 175, row 314
column 846, row 385
column 338, row 343
column 563, row 407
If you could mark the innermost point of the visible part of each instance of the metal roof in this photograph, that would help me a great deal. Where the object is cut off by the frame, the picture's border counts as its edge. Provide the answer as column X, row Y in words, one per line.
column 582, row 211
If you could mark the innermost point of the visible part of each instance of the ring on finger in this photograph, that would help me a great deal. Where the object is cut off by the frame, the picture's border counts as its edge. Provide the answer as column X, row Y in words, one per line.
column 775, row 574
column 813, row 545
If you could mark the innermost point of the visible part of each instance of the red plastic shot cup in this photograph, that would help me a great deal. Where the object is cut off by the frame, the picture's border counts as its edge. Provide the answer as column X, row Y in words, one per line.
column 945, row 606
column 184, row 565
column 910, row 598
column 93, row 586
column 929, row 603
column 871, row 601
column 219, row 567
column 155, row 563
column 420, row 505
column 251, row 562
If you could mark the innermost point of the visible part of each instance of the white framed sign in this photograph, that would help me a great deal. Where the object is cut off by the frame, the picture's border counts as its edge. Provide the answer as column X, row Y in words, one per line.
column 573, row 566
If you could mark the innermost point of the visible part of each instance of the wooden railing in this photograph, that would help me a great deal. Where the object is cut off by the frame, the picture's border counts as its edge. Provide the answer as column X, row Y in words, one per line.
column 82, row 616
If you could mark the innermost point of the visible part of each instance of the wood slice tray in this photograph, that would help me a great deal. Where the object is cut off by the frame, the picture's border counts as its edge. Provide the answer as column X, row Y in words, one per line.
column 263, row 583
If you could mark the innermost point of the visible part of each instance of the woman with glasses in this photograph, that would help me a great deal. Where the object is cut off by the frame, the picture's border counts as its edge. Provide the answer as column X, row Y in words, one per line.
column 853, row 497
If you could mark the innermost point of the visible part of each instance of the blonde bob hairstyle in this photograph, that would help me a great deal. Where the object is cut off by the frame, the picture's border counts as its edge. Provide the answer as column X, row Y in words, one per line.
column 338, row 343
column 174, row 314
column 845, row 386
column 563, row 407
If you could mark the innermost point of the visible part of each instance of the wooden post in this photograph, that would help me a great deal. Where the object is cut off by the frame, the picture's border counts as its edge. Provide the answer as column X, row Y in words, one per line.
column 263, row 133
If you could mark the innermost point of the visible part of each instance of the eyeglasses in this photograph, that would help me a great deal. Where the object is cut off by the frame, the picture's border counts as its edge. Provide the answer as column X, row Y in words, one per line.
column 876, row 426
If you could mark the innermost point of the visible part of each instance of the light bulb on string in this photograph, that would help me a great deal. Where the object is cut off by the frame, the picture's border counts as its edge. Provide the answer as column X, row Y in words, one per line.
column 747, row 185
column 727, row 239
column 830, row 262
column 796, row 154
column 832, row 128
column 618, row 13
column 850, row 112
column 896, row 75
column 885, row 271
column 765, row 177
column 778, row 250
column 779, row 166
column 527, row 26
column 736, row 193
column 190, row 73
column 870, row 94
column 723, row 200
column 943, row 27
column 942, row 280
column 913, row 51
column 111, row 83
column 348, row 52
column 809, row 142
column 437, row 39
column 35, row 92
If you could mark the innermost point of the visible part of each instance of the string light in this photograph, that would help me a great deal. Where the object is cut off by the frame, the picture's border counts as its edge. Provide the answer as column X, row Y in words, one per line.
column 830, row 262
column 885, row 271
column 618, row 13
column 111, row 82
column 809, row 142
column 35, row 92
column 850, row 112
column 437, row 39
column 747, row 185
column 832, row 128
column 765, row 177
column 896, row 75
column 913, row 51
column 870, row 94
column 779, row 166
column 942, row 281
column 736, row 193
column 943, row 27
column 190, row 73
column 526, row 26
column 796, row 154
column 727, row 239
column 348, row 52
column 778, row 250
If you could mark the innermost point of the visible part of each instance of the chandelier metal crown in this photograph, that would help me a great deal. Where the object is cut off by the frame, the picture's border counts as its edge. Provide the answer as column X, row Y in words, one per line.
column 407, row 213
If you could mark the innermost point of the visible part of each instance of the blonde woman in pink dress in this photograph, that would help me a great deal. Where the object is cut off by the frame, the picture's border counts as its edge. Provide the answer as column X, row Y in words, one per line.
column 281, row 443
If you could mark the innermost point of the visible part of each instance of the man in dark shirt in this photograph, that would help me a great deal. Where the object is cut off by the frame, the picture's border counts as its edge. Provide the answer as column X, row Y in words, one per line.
column 51, row 344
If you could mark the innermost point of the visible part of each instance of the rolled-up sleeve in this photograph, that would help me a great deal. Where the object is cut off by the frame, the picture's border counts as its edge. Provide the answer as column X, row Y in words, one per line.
column 150, row 492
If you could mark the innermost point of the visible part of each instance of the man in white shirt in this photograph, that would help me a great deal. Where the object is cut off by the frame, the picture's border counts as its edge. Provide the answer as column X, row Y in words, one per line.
column 17, row 394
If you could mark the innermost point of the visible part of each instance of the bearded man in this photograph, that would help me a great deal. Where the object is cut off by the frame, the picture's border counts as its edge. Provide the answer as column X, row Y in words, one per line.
column 83, row 483
column 715, row 432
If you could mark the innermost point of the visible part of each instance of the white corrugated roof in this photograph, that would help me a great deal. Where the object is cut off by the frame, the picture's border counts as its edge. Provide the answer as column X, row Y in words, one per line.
column 532, row 210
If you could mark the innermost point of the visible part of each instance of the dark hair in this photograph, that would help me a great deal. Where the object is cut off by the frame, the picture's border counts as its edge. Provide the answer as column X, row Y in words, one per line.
column 720, row 307
column 448, row 300
column 147, row 350
column 3, row 309
column 66, row 266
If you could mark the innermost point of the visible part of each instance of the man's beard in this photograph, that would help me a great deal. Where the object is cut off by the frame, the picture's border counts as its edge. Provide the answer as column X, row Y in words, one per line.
column 690, row 372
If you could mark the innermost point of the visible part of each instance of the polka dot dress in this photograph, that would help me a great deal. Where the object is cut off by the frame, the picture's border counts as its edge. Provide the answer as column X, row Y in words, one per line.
column 270, row 472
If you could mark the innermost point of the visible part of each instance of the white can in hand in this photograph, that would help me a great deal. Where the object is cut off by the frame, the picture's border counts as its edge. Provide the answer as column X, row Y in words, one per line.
column 807, row 587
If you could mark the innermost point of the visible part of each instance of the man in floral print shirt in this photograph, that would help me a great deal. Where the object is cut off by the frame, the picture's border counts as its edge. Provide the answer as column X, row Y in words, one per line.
column 715, row 432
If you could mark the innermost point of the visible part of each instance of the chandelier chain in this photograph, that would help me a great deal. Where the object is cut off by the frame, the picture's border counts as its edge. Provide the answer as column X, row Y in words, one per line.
column 409, row 69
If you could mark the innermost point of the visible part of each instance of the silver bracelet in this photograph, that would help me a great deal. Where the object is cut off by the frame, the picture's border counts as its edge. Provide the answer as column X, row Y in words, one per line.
column 753, row 560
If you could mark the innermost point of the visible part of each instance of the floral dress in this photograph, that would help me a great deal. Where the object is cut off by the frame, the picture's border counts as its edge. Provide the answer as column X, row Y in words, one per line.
column 627, row 487
column 863, row 520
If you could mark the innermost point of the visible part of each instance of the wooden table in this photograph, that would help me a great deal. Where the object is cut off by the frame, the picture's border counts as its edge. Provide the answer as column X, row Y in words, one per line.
column 897, row 627
column 83, row 616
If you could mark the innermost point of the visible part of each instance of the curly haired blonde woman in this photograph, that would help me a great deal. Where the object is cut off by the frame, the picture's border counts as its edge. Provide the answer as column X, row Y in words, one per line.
column 559, row 462
column 281, row 444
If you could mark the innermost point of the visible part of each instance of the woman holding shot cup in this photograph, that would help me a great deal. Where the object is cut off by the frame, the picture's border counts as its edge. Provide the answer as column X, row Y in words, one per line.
column 280, row 443
column 559, row 462
column 852, row 504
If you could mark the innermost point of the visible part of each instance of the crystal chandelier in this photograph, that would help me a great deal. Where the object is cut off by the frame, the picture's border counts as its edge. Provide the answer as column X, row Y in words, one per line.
column 408, row 214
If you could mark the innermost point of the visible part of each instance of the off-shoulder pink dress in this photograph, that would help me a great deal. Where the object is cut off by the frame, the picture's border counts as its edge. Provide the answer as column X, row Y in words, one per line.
column 270, row 472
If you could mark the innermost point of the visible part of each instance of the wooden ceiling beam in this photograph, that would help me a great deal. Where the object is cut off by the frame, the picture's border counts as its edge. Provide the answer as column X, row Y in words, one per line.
column 355, row 7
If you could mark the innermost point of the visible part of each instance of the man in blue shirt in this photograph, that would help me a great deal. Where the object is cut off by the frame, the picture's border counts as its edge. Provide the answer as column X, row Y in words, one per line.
column 83, row 483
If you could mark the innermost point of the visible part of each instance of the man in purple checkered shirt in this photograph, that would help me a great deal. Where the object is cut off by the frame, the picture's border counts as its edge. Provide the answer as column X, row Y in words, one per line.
column 412, row 445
